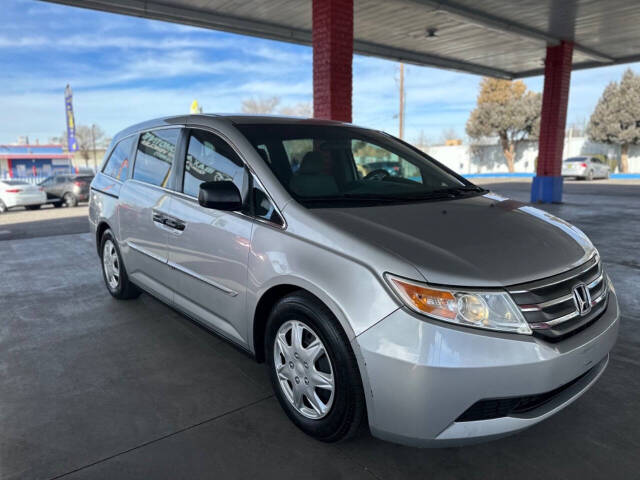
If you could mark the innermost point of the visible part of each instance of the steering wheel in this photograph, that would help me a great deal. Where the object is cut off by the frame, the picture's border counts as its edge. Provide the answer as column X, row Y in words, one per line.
column 378, row 174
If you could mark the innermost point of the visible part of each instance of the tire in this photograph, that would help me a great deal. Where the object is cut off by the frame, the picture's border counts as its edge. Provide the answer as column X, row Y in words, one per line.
column 114, row 273
column 589, row 176
column 33, row 207
column 339, row 410
column 69, row 199
column 3, row 207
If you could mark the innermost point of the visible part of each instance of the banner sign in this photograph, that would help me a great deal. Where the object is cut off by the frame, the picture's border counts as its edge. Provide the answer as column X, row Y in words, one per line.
column 71, row 123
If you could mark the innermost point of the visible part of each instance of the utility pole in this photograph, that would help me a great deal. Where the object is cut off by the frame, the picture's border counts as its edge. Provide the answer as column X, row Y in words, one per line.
column 401, row 110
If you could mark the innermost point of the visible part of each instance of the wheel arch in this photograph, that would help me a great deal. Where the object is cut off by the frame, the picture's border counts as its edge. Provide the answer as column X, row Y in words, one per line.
column 100, row 229
column 270, row 297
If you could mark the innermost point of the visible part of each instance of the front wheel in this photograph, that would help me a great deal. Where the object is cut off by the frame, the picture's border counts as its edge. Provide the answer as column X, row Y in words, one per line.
column 113, row 271
column 313, row 370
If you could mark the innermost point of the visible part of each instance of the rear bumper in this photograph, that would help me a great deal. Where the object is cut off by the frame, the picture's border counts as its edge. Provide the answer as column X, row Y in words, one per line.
column 424, row 375
column 578, row 172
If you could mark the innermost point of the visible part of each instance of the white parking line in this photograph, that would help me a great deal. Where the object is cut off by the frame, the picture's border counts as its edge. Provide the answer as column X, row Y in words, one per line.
column 5, row 232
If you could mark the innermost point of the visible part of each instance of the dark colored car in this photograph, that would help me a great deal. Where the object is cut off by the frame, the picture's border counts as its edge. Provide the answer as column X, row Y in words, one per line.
column 67, row 189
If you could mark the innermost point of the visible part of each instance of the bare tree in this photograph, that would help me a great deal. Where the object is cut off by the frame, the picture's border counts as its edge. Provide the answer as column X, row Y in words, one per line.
column 260, row 105
column 301, row 109
column 449, row 134
column 86, row 138
column 421, row 141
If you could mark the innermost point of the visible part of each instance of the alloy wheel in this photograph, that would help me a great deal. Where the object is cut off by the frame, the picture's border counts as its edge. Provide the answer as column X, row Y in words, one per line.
column 111, row 264
column 304, row 369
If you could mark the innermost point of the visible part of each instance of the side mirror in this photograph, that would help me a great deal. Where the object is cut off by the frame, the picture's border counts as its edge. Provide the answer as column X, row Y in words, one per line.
column 220, row 196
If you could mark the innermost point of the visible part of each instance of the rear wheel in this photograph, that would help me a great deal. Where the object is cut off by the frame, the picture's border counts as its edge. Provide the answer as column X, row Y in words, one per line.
column 589, row 176
column 313, row 370
column 69, row 199
column 113, row 271
column 3, row 207
column 33, row 207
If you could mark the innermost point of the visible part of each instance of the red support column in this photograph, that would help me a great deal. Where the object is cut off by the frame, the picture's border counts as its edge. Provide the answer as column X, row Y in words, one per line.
column 332, row 59
column 547, row 185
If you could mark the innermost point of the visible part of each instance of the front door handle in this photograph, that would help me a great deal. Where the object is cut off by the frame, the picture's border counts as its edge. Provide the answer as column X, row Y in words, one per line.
column 174, row 223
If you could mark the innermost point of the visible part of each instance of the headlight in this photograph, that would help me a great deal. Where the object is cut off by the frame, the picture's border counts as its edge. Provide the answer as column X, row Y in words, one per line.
column 471, row 308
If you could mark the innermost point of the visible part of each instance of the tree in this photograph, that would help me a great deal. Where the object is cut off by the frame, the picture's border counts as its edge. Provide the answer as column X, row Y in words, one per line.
column 507, row 110
column 449, row 134
column 616, row 118
column 87, row 138
column 260, row 105
column 270, row 105
column 421, row 141
column 302, row 109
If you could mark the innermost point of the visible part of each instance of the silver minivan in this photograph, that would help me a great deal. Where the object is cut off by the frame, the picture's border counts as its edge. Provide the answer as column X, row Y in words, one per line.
column 436, row 310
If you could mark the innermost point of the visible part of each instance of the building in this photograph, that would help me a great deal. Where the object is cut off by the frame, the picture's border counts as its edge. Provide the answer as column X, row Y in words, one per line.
column 33, row 161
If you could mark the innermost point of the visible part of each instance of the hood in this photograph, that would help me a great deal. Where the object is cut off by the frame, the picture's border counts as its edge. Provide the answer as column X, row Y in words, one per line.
column 484, row 241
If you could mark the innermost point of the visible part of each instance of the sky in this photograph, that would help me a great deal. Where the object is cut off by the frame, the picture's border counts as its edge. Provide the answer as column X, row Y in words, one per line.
column 124, row 70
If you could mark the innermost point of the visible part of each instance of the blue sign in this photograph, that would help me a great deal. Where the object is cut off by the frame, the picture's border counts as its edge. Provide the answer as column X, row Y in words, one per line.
column 71, row 123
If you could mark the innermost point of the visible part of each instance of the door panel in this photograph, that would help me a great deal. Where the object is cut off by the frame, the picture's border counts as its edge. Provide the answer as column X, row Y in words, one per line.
column 209, row 253
column 208, row 261
column 144, row 203
column 143, row 241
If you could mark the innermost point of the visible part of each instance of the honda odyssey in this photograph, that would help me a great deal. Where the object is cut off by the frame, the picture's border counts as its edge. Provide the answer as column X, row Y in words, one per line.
column 436, row 311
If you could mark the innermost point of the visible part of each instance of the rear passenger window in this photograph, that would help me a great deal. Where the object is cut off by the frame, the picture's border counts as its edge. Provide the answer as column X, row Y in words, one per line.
column 211, row 159
column 118, row 164
column 155, row 156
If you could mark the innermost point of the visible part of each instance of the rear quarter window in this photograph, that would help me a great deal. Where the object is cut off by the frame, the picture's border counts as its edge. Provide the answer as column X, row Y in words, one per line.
column 117, row 165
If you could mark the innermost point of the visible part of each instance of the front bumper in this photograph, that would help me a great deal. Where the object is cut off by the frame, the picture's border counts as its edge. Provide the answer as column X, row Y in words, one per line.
column 422, row 375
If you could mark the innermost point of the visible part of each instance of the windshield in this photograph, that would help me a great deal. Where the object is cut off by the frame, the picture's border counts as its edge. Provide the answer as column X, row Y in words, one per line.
column 331, row 166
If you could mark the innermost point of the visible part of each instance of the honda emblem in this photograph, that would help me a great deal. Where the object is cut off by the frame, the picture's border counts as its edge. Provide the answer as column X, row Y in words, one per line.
column 582, row 299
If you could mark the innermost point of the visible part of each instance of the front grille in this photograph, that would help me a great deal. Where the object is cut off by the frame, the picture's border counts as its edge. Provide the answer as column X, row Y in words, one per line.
column 502, row 407
column 550, row 307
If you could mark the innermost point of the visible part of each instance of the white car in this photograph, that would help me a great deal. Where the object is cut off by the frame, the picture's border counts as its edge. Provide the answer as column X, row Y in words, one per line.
column 586, row 168
column 17, row 193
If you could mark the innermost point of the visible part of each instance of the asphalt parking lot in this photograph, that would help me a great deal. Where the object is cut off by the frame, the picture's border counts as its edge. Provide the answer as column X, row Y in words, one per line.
column 91, row 387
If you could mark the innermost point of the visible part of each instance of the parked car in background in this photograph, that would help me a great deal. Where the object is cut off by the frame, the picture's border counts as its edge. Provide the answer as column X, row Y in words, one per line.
column 18, row 193
column 438, row 311
column 67, row 189
column 586, row 168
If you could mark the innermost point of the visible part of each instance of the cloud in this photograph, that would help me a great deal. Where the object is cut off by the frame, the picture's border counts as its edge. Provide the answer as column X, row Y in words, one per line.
column 96, row 42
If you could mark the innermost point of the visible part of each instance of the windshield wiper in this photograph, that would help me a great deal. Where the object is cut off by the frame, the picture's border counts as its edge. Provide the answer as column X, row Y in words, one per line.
column 458, row 191
column 374, row 197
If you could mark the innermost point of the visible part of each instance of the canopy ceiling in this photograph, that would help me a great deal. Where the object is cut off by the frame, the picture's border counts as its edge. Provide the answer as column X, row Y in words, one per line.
column 499, row 38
